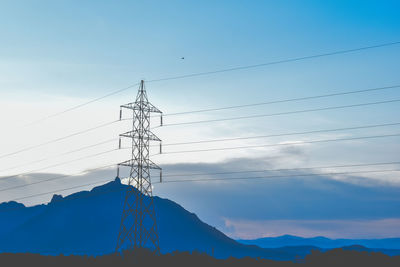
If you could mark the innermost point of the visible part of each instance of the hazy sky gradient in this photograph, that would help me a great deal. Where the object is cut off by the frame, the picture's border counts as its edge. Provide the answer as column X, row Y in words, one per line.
column 57, row 54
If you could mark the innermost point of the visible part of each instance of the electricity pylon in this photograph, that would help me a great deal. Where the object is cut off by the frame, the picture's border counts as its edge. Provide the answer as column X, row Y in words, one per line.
column 138, row 223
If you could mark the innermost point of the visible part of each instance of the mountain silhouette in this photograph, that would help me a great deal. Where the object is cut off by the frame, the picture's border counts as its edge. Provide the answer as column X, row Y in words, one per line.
column 323, row 242
column 87, row 223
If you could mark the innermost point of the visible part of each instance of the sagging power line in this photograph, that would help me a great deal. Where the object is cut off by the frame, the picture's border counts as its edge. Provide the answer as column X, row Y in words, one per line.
column 283, row 113
column 207, row 173
column 337, row 52
column 188, row 112
column 282, row 101
column 61, row 190
column 283, row 144
column 82, row 104
column 56, row 178
column 61, row 154
column 208, row 180
column 209, row 150
column 59, row 164
column 283, row 134
column 290, row 169
column 58, row 139
column 207, row 141
column 278, row 176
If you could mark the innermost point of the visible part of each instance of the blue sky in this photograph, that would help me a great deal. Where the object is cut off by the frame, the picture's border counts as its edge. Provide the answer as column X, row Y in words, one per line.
column 57, row 54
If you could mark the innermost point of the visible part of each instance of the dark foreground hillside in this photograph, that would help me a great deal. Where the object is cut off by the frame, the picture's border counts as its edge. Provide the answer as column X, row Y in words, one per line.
column 336, row 257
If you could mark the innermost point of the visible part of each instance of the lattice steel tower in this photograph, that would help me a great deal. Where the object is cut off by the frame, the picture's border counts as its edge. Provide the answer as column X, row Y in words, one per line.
column 138, row 223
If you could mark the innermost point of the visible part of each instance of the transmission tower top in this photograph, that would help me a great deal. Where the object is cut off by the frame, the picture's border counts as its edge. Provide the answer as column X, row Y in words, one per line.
column 141, row 103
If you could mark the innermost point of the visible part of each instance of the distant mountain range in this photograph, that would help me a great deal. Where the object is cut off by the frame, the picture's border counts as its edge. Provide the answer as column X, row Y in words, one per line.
column 322, row 242
column 87, row 223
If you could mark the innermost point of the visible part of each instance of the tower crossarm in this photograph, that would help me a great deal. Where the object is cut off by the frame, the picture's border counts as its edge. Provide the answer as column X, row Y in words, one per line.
column 133, row 164
column 148, row 135
column 145, row 107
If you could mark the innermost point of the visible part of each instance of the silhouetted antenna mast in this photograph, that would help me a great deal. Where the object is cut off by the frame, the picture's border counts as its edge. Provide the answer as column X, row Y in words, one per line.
column 138, row 223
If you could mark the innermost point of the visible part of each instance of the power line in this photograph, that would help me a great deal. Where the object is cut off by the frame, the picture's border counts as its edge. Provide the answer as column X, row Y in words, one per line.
column 222, row 108
column 273, row 62
column 283, row 144
column 219, row 140
column 61, row 154
column 275, row 176
column 282, row 101
column 60, row 190
column 211, row 149
column 66, row 199
column 199, row 174
column 58, row 139
column 283, row 113
column 282, row 134
column 220, row 71
column 195, row 122
column 59, row 164
column 106, row 124
column 54, row 178
column 279, row 170
column 83, row 104
column 206, row 180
